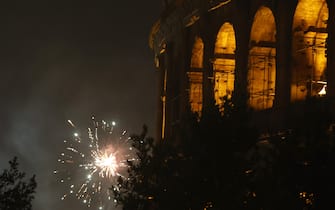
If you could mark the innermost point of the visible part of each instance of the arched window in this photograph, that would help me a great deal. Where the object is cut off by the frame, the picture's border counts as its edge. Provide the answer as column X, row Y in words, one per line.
column 262, row 60
column 224, row 63
column 195, row 76
column 309, row 61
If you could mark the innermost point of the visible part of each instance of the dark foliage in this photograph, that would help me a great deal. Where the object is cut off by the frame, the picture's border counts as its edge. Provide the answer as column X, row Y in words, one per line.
column 204, row 170
column 15, row 192
column 294, row 168
column 223, row 162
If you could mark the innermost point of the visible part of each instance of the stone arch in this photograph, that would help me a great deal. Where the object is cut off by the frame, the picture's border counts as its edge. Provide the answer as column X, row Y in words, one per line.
column 224, row 63
column 309, row 61
column 195, row 75
column 262, row 60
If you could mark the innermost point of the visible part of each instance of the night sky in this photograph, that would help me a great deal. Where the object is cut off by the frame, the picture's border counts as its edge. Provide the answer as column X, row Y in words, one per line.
column 69, row 59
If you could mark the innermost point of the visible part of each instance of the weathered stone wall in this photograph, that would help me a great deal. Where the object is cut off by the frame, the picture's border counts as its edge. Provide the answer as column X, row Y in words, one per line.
column 185, row 20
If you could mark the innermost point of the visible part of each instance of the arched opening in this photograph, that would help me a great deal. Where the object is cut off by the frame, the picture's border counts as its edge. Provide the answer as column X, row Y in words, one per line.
column 224, row 63
column 262, row 60
column 195, row 76
column 309, row 61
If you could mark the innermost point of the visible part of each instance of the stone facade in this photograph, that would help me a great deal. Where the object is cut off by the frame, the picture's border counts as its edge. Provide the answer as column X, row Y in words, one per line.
column 276, row 52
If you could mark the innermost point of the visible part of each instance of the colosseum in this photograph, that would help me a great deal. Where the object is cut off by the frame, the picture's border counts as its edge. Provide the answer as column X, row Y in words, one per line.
column 275, row 52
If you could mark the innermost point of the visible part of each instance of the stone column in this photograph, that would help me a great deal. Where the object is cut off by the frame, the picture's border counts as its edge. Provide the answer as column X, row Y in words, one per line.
column 208, row 80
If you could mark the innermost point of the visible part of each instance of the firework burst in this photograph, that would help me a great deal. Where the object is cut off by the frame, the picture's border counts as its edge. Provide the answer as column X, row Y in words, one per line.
column 93, row 161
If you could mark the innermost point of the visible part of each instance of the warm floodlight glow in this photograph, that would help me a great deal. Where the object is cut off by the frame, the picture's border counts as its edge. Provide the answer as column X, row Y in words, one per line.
column 195, row 76
column 224, row 63
column 309, row 47
column 262, row 60
column 323, row 91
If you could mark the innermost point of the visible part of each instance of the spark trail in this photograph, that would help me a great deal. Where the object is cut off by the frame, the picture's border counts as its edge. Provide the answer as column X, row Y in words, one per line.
column 92, row 162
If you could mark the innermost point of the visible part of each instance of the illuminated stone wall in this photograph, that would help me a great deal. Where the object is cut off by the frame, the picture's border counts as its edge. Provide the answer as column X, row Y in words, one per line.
column 309, row 36
column 195, row 77
column 262, row 60
column 277, row 53
column 224, row 63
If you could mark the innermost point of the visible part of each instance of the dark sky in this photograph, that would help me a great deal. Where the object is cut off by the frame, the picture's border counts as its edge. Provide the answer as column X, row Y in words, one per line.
column 70, row 59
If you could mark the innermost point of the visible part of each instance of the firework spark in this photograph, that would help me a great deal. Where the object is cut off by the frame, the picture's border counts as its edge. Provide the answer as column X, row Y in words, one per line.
column 91, row 163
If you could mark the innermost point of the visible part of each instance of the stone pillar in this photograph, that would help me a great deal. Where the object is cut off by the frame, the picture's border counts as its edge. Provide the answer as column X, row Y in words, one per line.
column 331, row 52
column 208, row 80
column 162, row 98
column 330, row 72
column 283, row 55
column 242, row 33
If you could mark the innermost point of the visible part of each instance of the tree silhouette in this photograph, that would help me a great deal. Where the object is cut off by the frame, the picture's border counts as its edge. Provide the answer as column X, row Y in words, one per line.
column 202, row 171
column 223, row 162
column 15, row 192
column 294, row 168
